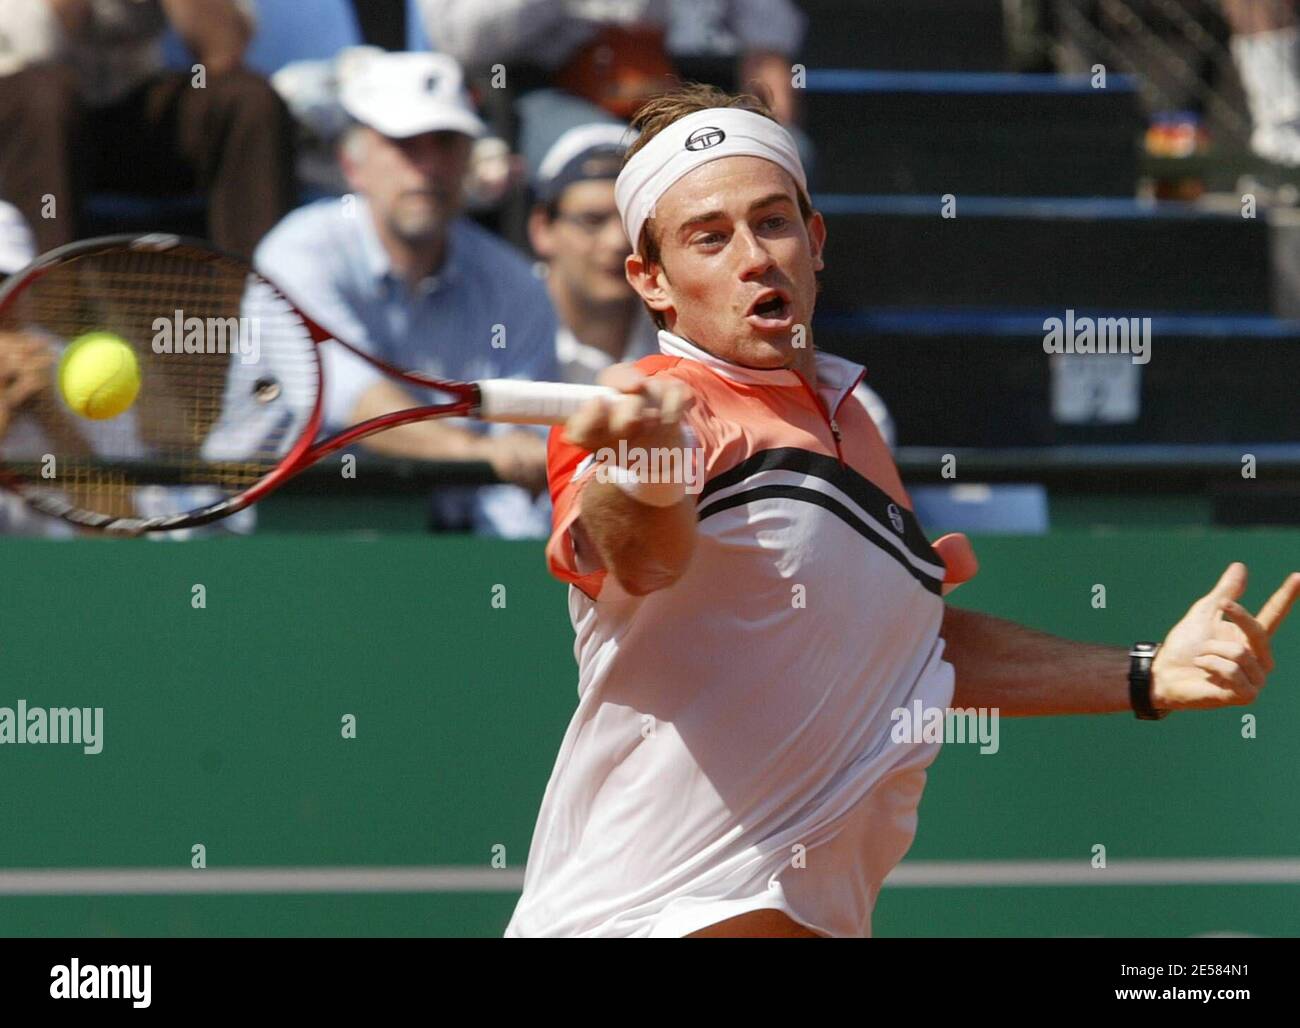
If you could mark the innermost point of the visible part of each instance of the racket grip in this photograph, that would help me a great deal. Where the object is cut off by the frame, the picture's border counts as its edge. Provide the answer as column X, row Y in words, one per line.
column 535, row 403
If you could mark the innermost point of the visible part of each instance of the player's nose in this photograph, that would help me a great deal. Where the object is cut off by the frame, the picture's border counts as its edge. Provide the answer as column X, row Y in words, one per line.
column 755, row 260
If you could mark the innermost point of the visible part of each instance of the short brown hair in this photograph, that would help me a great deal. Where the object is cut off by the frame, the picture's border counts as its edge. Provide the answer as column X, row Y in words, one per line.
column 657, row 114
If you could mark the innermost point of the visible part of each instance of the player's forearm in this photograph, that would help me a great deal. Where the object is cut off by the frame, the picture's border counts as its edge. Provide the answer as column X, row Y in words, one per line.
column 1023, row 672
column 645, row 548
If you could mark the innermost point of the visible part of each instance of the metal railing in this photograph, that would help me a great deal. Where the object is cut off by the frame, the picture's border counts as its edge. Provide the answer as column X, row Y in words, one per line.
column 1177, row 48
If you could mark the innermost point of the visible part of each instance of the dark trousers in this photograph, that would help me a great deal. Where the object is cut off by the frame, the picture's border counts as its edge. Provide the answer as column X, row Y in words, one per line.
column 231, row 139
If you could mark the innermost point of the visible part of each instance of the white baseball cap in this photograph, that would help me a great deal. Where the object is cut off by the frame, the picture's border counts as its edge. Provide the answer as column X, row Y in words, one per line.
column 406, row 94
column 16, row 246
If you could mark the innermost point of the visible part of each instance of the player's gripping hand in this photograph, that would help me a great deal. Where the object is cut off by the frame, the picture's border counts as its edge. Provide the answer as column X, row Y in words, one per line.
column 1219, row 655
column 644, row 541
column 648, row 414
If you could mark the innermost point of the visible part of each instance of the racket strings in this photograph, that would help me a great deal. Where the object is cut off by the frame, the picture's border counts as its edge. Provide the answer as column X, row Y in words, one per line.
column 229, row 378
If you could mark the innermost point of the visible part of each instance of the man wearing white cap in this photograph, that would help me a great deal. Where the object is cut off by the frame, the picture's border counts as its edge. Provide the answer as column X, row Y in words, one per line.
column 396, row 268
column 750, row 624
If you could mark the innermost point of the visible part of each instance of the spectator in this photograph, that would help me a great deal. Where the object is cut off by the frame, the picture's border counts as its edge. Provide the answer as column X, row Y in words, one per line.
column 17, row 383
column 16, row 386
column 86, row 104
column 400, row 271
column 607, row 58
column 16, row 246
column 1265, row 50
column 576, row 229
column 311, row 89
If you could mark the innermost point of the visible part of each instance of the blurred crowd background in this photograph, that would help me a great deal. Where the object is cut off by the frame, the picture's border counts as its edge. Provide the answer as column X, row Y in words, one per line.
column 420, row 175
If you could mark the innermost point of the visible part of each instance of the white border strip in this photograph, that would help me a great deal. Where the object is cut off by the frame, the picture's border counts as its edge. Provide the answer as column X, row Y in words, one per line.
column 1224, row 871
column 912, row 874
column 149, row 881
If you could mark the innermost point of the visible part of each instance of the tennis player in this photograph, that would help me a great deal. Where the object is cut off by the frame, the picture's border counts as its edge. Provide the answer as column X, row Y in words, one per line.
column 741, row 646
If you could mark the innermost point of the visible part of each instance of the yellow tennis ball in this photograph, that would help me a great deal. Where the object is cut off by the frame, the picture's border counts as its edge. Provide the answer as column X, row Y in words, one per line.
column 99, row 376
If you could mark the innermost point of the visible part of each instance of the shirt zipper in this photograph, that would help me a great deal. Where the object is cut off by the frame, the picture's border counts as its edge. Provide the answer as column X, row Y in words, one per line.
column 831, row 422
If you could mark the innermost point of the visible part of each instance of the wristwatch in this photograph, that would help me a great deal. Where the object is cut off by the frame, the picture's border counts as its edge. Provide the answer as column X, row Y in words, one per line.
column 1139, row 681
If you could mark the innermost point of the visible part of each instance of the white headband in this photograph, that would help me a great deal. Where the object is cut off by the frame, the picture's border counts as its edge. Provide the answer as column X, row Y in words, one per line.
column 694, row 140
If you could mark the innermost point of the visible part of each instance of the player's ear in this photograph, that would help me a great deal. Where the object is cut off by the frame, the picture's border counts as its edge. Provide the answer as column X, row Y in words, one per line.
column 541, row 232
column 817, row 239
column 649, row 280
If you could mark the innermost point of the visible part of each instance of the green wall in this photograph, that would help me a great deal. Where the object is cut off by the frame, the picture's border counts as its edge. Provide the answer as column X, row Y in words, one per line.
column 222, row 727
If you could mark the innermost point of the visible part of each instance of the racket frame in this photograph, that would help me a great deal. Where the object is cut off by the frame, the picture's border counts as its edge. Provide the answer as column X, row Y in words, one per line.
column 469, row 400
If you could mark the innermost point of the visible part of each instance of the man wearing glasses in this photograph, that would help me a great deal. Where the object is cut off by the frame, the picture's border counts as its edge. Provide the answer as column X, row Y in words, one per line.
column 575, row 228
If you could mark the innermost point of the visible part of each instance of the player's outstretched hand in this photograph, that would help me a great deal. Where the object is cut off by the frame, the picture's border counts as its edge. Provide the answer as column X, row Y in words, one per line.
column 648, row 414
column 1219, row 655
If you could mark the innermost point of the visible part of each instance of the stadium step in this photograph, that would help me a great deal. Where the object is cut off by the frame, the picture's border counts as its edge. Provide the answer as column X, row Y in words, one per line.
column 977, row 133
column 983, row 378
column 1116, row 254
column 930, row 34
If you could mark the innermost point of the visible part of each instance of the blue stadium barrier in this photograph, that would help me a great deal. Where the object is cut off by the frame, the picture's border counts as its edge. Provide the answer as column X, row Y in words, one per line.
column 990, row 321
column 287, row 31
column 1063, row 207
column 991, row 509
column 853, row 80
column 301, row 30
column 416, row 36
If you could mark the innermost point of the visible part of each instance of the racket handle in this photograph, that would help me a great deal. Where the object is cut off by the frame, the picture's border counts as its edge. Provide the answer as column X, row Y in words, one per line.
column 535, row 403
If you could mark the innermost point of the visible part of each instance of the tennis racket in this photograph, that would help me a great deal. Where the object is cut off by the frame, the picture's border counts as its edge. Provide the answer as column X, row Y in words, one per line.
column 232, row 376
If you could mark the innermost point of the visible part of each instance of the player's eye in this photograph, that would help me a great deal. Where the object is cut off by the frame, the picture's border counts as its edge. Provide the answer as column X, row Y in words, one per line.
column 709, row 238
column 775, row 221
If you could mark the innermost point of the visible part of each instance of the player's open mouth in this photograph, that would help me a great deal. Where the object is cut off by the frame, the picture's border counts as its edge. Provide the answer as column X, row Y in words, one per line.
column 772, row 311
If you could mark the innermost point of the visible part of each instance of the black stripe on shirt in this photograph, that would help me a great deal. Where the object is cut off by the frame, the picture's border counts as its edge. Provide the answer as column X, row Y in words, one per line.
column 862, row 491
column 829, row 503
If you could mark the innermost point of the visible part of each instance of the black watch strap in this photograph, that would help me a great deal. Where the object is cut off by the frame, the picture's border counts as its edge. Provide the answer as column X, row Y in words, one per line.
column 1139, row 681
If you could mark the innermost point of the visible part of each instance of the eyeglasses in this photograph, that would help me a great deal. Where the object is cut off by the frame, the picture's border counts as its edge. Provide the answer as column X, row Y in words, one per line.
column 590, row 222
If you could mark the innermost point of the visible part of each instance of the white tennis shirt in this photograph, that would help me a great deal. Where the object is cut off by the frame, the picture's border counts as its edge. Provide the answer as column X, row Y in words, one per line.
column 731, row 748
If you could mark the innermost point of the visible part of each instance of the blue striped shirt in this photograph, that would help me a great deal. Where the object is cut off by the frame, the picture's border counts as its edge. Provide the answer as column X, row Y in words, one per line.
column 484, row 314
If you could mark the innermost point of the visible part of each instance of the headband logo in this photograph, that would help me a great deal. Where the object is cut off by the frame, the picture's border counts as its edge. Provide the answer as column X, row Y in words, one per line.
column 703, row 138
